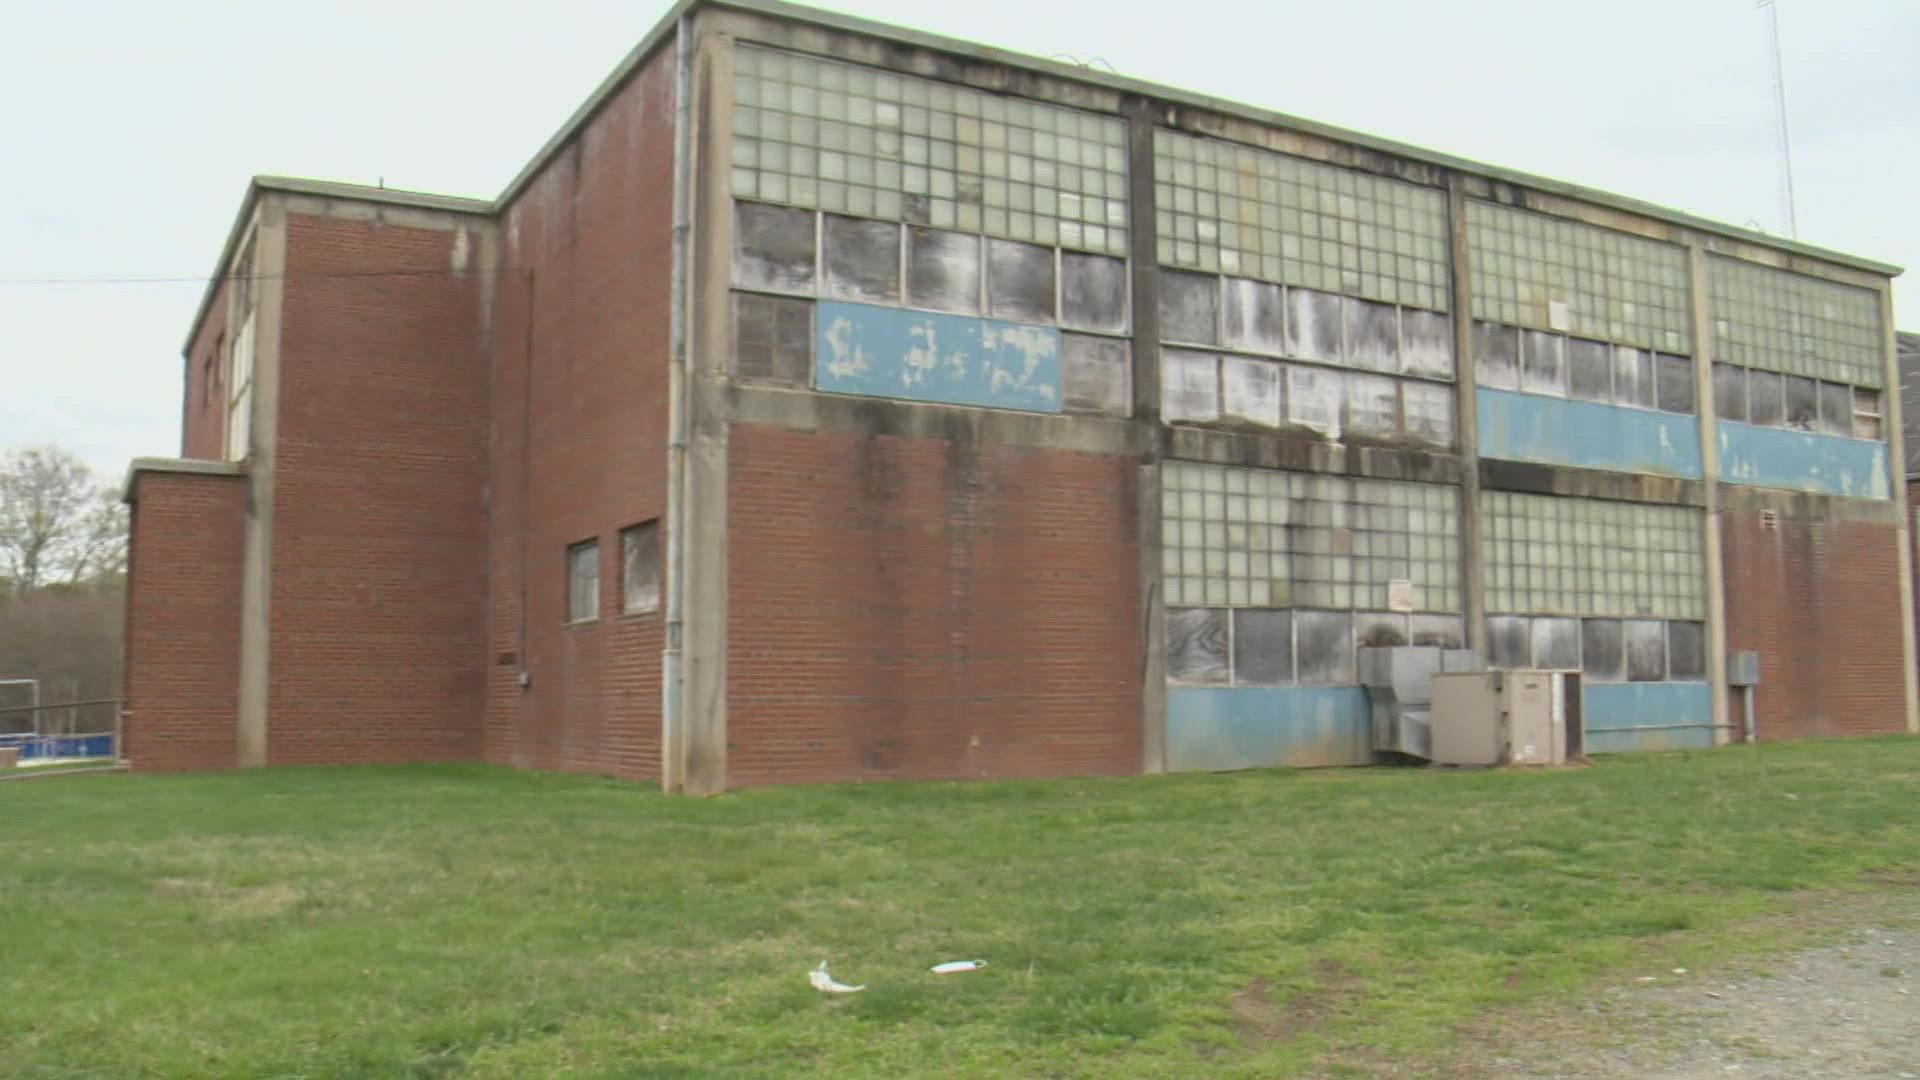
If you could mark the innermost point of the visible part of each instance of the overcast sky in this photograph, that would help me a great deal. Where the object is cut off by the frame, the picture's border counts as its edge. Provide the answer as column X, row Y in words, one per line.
column 130, row 128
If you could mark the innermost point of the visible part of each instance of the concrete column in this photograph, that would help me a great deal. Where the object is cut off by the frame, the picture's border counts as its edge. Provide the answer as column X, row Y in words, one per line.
column 256, row 583
column 1466, row 423
column 701, row 742
column 1700, row 326
column 1897, row 476
column 1143, row 242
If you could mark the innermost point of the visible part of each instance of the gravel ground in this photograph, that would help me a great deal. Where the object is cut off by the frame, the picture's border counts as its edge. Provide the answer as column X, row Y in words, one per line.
column 1847, row 1009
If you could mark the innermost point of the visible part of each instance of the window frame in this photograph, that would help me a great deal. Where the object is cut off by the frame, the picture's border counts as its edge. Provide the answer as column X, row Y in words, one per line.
column 574, row 550
column 659, row 570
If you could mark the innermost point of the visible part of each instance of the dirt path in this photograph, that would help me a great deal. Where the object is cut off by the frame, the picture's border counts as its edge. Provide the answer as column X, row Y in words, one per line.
column 1842, row 1010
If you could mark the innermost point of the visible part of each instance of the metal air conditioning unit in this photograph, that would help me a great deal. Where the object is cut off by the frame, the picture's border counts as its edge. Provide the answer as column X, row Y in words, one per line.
column 1399, row 684
column 1520, row 717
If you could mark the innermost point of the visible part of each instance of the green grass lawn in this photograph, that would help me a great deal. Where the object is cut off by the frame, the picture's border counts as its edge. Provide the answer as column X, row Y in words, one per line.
column 440, row 921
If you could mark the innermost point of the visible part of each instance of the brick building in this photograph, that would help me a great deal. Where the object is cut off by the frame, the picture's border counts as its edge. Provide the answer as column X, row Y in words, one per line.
column 829, row 401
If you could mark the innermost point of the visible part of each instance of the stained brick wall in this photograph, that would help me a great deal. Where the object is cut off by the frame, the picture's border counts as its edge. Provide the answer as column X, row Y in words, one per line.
column 203, row 418
column 1812, row 598
column 182, row 652
column 595, row 232
column 904, row 607
column 379, row 527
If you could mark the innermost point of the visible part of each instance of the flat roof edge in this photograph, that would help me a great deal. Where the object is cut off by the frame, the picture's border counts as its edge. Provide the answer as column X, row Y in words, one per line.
column 177, row 467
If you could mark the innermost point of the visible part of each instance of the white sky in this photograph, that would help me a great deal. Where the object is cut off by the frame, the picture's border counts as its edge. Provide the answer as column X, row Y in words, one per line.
column 130, row 129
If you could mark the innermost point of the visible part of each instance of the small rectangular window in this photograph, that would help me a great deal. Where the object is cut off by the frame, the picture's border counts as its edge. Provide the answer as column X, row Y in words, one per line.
column 1019, row 281
column 640, row 568
column 1509, row 642
column 863, row 259
column 1250, row 390
column 1197, row 645
column 1556, row 643
column 1497, row 355
column 773, row 338
column 1314, row 326
column 1603, row 650
column 1262, row 648
column 1866, row 414
column 943, row 270
column 1686, row 650
column 1093, row 292
column 1646, row 650
column 1674, row 378
column 1836, row 408
column 1730, row 392
column 1428, row 410
column 1189, row 385
column 1256, row 316
column 1590, row 370
column 1097, row 374
column 1766, row 399
column 1543, row 363
column 1325, row 648
column 1803, row 403
column 772, row 248
column 1633, row 377
column 1373, row 334
column 1189, row 307
column 583, row 582
column 1426, row 343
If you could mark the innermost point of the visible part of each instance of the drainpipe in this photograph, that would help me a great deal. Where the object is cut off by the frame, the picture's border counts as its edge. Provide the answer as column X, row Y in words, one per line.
column 672, row 720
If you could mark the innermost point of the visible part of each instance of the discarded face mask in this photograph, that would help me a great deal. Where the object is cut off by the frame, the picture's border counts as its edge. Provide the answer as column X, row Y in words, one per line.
column 953, row 967
column 825, row 983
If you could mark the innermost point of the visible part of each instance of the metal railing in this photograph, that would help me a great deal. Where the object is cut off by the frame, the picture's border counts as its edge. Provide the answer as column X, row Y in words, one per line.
column 42, row 752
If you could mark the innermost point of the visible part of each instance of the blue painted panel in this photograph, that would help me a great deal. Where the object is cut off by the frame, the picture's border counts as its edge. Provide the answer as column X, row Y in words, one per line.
column 950, row 359
column 1587, row 434
column 1248, row 727
column 1802, row 461
column 1647, row 716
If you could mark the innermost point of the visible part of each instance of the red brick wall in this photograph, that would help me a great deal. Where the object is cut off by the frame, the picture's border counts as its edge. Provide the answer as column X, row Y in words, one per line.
column 203, row 426
column 919, row 608
column 595, row 230
column 1811, row 597
column 182, row 654
column 379, row 565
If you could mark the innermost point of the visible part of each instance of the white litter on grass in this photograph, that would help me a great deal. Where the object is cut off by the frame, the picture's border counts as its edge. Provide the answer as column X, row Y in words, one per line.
column 955, row 966
column 825, row 983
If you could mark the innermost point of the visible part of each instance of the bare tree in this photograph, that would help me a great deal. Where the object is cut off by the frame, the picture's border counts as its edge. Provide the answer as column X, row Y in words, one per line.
column 58, row 525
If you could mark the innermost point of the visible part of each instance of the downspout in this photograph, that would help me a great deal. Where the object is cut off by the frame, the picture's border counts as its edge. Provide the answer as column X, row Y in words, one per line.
column 672, row 720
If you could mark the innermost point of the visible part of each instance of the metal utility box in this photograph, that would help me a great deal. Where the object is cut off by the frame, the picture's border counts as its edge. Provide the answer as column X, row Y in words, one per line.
column 1521, row 717
column 1743, row 669
column 1399, row 684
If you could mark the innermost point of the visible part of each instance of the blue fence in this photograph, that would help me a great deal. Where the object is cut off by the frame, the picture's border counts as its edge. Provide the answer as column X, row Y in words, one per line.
column 43, row 747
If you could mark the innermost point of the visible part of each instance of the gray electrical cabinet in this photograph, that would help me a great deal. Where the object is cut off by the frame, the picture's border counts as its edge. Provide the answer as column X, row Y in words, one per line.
column 1519, row 717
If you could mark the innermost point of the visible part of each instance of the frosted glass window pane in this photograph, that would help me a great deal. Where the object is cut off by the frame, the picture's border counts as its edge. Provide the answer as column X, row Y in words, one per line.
column 943, row 270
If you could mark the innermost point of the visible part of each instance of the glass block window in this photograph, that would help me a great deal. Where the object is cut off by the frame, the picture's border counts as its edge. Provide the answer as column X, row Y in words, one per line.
column 1238, row 537
column 1550, row 273
column 1791, row 323
column 784, row 258
column 1550, row 554
column 847, row 139
column 1235, row 209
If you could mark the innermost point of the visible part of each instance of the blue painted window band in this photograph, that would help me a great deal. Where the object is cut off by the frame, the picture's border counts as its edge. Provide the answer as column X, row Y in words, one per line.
column 925, row 356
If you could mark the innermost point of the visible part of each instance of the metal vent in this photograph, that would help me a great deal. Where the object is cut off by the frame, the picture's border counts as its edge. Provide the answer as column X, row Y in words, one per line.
column 1769, row 519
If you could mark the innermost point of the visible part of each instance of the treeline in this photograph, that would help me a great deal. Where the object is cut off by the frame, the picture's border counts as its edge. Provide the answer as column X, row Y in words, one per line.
column 63, row 549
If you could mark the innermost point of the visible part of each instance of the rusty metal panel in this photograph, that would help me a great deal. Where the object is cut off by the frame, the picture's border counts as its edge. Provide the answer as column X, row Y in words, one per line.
column 1212, row 729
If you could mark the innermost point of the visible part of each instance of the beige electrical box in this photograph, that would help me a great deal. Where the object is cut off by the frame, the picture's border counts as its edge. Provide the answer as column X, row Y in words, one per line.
column 1521, row 717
